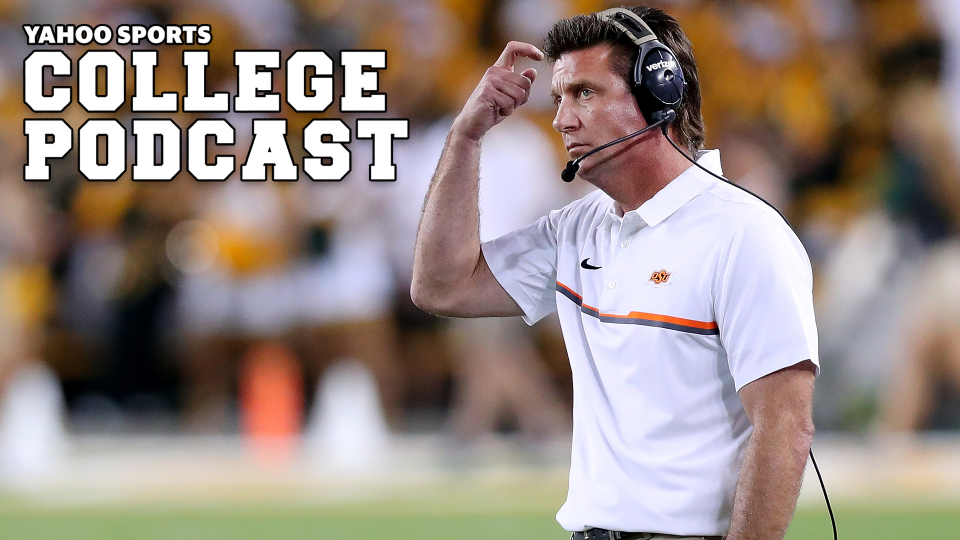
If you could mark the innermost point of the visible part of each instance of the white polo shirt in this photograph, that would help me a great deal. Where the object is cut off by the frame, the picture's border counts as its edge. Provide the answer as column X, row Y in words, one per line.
column 701, row 290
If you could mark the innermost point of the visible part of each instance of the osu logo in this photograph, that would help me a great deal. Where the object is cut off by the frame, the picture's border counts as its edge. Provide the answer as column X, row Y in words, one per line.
column 660, row 277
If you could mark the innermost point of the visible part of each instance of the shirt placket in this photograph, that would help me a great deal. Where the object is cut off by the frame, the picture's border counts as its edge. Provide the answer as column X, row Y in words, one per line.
column 622, row 233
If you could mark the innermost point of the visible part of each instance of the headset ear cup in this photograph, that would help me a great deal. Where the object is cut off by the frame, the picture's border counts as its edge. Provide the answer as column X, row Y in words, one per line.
column 658, row 80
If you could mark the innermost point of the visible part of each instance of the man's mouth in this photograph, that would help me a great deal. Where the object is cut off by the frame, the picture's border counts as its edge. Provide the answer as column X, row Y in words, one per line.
column 577, row 149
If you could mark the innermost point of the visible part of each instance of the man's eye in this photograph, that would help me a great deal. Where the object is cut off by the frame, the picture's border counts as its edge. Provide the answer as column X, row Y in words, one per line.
column 586, row 92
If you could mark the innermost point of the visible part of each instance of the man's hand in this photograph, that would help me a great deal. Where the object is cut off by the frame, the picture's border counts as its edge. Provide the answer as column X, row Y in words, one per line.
column 500, row 92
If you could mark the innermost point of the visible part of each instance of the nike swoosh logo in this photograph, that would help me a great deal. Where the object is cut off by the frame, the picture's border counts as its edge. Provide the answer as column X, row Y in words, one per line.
column 587, row 266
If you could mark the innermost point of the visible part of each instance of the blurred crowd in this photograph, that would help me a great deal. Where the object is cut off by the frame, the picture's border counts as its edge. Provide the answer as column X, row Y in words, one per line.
column 214, row 307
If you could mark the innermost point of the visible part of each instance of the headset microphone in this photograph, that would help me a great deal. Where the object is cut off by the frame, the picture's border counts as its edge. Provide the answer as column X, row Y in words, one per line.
column 570, row 171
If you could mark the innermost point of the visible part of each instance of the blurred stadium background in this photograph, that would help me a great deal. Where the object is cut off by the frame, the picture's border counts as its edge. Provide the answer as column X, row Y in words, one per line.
column 242, row 360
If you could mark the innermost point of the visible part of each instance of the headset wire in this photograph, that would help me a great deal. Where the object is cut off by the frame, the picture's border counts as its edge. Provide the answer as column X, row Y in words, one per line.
column 715, row 175
column 823, row 487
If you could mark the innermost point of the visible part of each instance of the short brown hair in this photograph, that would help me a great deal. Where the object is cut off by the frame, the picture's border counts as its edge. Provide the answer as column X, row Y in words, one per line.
column 586, row 31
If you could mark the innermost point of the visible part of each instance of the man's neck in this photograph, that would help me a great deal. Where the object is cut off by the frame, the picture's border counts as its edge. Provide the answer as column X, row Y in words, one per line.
column 645, row 177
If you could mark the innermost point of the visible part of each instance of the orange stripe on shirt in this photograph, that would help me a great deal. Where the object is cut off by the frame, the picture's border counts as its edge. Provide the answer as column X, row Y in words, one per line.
column 642, row 316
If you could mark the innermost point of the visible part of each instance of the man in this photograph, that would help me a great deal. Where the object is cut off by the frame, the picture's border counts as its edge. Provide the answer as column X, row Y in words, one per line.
column 686, row 303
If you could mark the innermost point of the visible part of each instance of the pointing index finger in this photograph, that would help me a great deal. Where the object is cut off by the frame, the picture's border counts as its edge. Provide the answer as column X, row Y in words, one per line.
column 514, row 50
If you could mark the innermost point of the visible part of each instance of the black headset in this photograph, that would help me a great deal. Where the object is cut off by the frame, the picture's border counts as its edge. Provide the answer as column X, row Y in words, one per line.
column 658, row 82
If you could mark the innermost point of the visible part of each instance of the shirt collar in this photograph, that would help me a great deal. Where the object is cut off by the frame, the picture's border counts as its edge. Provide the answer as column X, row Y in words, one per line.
column 680, row 190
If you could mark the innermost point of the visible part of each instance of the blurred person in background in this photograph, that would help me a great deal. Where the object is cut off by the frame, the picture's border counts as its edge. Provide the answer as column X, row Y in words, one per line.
column 923, row 388
column 32, row 230
column 236, row 295
column 342, row 281
column 31, row 402
column 344, row 275
column 884, row 197
column 923, row 391
column 499, row 376
column 499, row 372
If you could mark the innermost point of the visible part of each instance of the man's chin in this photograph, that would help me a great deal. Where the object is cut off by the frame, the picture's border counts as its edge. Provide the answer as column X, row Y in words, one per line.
column 594, row 174
column 588, row 170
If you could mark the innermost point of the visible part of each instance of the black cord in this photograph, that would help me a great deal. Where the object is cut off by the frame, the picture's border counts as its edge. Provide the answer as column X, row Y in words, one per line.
column 691, row 160
column 661, row 122
column 833, row 522
column 823, row 487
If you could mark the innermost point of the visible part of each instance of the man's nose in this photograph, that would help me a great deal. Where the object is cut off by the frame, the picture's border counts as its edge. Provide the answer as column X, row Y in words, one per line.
column 566, row 119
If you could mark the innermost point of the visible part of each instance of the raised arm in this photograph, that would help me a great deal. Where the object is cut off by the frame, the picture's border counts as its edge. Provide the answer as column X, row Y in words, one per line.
column 450, row 276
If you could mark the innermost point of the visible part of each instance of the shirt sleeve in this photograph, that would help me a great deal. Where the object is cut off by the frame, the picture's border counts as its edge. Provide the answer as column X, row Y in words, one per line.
column 764, row 301
column 524, row 261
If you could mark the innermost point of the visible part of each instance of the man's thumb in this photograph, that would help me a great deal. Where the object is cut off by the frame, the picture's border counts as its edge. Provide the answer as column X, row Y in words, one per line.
column 530, row 73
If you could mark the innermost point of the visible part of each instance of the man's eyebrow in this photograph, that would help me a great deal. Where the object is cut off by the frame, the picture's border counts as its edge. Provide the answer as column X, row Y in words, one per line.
column 573, row 87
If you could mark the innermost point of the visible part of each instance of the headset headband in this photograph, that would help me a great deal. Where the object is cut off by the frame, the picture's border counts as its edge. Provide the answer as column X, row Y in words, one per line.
column 629, row 23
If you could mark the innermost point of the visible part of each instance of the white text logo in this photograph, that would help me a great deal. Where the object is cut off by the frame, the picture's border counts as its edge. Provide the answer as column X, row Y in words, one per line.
column 661, row 65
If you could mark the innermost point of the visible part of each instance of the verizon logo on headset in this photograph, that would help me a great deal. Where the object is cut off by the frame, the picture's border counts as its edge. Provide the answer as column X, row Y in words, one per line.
column 661, row 65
